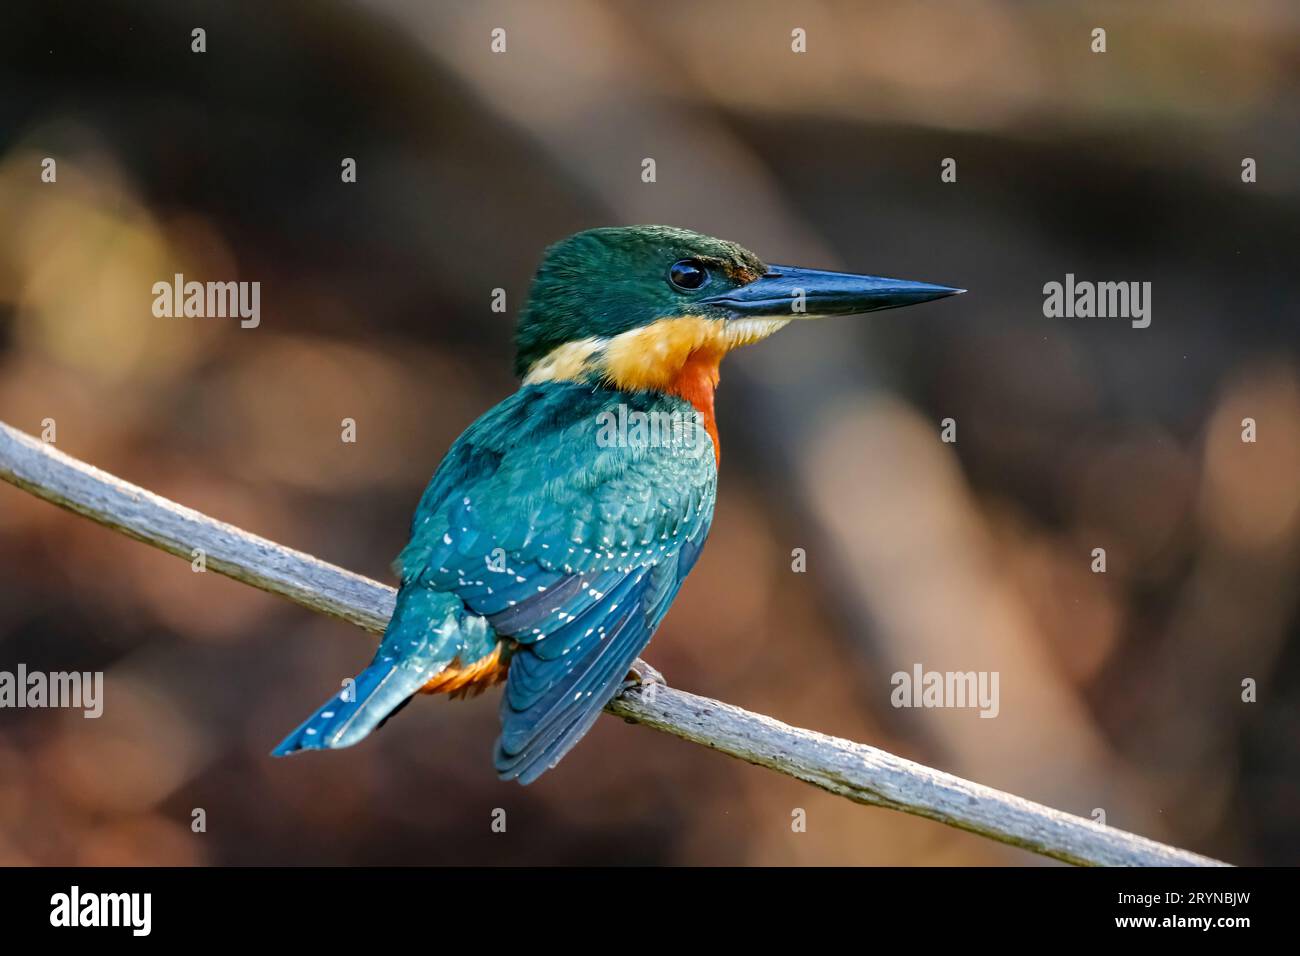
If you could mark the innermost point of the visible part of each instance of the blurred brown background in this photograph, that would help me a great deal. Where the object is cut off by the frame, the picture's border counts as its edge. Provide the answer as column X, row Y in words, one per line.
column 1119, row 691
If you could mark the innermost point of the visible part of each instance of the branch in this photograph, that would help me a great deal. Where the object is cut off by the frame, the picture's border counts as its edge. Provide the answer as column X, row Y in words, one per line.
column 861, row 773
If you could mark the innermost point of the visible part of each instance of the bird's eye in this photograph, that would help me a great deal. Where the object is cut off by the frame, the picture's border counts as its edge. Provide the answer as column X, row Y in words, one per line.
column 688, row 274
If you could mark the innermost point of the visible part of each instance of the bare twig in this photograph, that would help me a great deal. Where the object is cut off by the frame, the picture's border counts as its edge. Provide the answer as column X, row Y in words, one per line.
column 861, row 773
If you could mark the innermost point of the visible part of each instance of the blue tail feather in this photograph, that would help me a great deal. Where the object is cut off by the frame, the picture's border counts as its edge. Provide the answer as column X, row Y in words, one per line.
column 354, row 712
column 429, row 630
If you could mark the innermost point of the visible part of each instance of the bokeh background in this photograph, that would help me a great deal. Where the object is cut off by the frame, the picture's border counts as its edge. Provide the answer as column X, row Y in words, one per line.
column 1119, row 691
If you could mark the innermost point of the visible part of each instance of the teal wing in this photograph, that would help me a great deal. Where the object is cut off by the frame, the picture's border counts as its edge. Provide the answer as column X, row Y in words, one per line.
column 571, row 540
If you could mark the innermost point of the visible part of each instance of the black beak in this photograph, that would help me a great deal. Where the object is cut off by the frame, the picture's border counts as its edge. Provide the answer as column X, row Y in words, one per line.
column 791, row 292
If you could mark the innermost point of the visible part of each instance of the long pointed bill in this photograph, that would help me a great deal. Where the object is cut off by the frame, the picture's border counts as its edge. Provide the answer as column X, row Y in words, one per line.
column 794, row 293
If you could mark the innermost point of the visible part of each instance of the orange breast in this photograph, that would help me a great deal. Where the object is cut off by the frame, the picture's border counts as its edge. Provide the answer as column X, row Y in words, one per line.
column 696, row 382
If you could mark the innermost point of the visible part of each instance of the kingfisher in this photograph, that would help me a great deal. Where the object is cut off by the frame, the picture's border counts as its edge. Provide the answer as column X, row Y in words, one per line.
column 552, row 538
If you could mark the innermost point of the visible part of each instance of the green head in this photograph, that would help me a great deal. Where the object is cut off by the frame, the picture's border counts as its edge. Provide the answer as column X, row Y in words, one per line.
column 632, row 285
column 604, row 282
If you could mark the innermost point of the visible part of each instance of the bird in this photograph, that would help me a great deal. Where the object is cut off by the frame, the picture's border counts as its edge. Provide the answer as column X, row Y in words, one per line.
column 557, row 530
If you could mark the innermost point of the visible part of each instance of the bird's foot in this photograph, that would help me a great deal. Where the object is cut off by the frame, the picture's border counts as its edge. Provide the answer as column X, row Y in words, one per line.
column 643, row 675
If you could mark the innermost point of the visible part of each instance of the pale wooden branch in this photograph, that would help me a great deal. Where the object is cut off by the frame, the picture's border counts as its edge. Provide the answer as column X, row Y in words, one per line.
column 856, row 771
